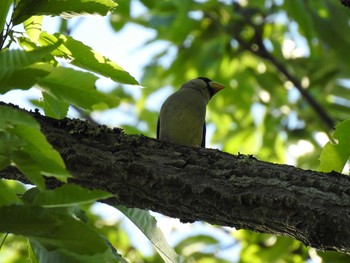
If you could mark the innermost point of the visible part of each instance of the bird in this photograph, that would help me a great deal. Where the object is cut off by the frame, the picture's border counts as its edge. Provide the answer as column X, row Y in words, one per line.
column 182, row 116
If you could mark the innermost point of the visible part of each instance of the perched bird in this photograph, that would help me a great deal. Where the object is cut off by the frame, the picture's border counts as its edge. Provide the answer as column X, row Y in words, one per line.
column 182, row 115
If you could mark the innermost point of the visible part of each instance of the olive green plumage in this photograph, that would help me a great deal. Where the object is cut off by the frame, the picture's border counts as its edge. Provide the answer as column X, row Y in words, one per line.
column 182, row 115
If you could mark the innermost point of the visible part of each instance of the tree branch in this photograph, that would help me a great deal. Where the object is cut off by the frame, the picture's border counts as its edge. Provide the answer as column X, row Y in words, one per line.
column 322, row 113
column 193, row 183
column 345, row 3
column 257, row 47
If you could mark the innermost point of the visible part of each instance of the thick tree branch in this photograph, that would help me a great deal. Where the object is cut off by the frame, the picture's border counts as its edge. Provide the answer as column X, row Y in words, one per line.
column 203, row 184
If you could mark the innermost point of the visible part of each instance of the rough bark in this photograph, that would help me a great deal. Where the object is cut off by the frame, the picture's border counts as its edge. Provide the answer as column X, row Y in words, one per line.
column 193, row 183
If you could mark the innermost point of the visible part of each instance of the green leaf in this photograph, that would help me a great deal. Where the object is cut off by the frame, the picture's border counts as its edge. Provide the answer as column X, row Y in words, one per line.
column 121, row 15
column 29, row 167
column 15, row 63
column 52, row 230
column 30, row 194
column 334, row 156
column 84, row 57
column 33, row 27
column 41, row 150
column 31, row 255
column 8, row 143
column 4, row 161
column 44, row 254
column 8, row 195
column 330, row 256
column 25, row 78
column 148, row 225
column 18, row 59
column 198, row 241
column 76, row 87
column 4, row 9
column 69, row 195
column 54, row 108
column 22, row 143
column 10, row 117
column 66, row 8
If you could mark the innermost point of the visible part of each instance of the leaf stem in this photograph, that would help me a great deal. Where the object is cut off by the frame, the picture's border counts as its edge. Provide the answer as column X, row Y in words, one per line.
column 3, row 240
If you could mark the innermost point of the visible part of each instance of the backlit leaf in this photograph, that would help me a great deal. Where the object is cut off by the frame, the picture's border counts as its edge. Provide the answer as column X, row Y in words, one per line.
column 68, row 195
column 64, row 8
column 334, row 156
column 77, row 88
column 84, row 57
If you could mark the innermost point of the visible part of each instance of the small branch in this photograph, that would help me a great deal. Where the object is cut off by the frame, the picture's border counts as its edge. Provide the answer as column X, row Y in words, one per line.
column 2, row 39
column 4, row 34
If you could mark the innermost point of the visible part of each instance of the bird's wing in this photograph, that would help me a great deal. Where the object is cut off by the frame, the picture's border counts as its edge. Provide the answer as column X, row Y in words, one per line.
column 203, row 136
column 158, row 128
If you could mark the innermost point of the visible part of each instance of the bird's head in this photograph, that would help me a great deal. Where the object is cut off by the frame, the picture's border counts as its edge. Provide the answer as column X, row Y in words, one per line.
column 205, row 86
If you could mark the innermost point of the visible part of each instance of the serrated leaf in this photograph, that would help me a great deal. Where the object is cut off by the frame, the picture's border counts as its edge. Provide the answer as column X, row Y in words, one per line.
column 37, row 143
column 334, row 156
column 22, row 143
column 51, row 230
column 148, row 225
column 33, row 27
column 25, row 78
column 38, row 155
column 84, row 57
column 64, row 8
column 18, row 59
column 15, row 62
column 69, row 195
column 76, row 87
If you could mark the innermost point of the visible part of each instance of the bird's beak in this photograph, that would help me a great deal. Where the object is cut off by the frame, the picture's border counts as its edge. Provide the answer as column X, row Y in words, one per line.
column 216, row 86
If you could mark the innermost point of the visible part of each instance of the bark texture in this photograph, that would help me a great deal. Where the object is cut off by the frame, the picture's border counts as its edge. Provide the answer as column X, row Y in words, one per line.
column 203, row 184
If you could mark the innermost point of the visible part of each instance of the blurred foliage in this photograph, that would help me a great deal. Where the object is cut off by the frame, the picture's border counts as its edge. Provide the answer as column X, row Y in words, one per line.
column 259, row 50
column 277, row 59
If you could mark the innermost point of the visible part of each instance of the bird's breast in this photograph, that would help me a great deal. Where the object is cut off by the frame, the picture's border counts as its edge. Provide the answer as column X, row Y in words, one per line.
column 182, row 117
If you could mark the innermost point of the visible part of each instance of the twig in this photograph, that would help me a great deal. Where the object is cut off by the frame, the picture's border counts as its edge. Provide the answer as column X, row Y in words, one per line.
column 345, row 2
column 262, row 52
column 323, row 114
column 3, row 240
column 5, row 33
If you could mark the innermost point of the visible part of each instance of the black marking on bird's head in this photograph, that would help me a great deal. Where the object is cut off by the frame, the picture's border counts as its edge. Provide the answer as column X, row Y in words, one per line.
column 210, row 88
column 206, row 80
